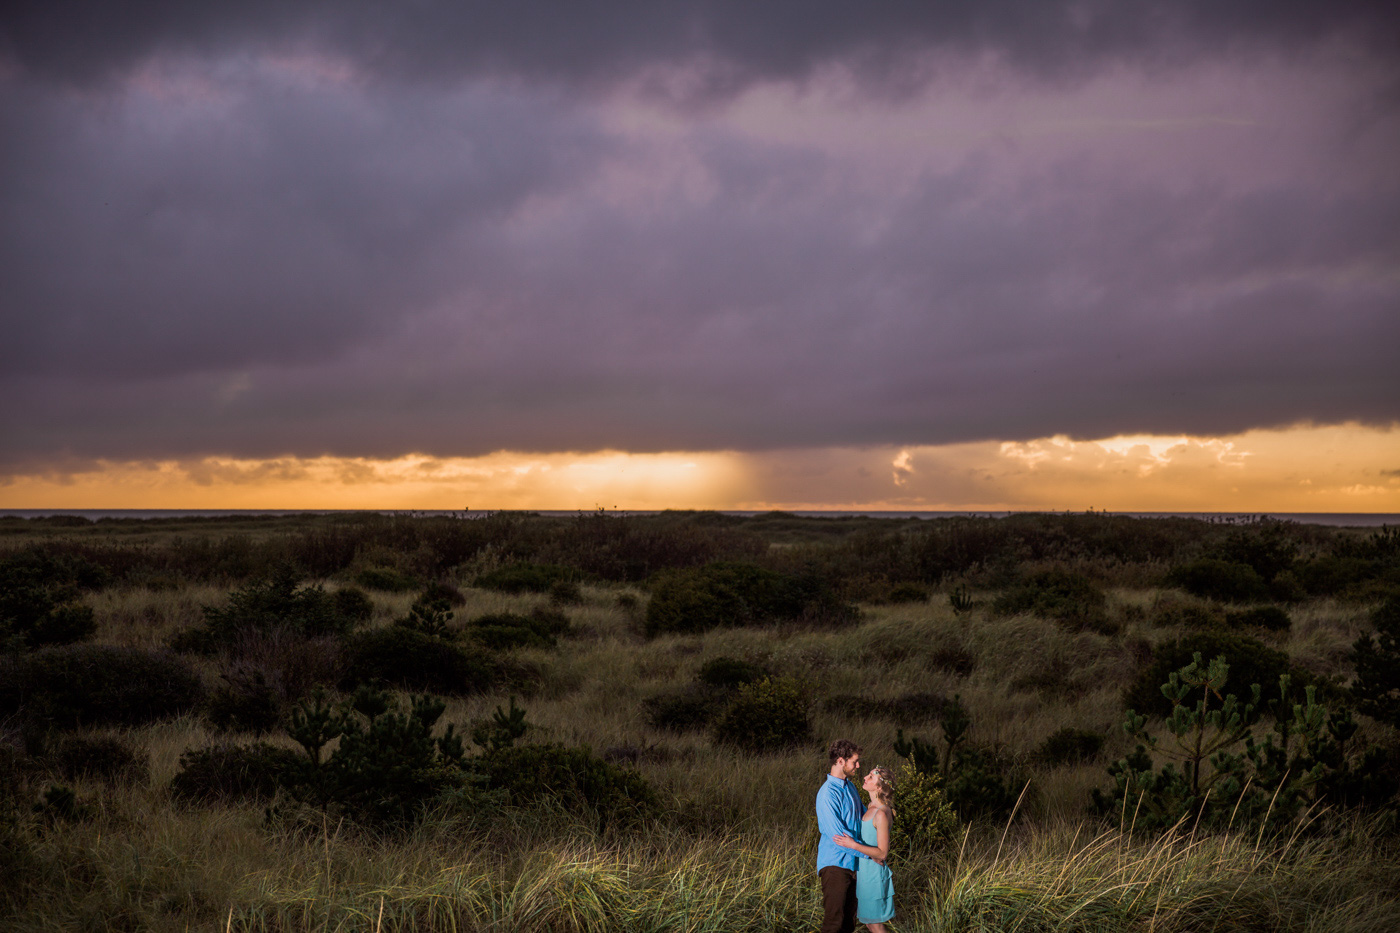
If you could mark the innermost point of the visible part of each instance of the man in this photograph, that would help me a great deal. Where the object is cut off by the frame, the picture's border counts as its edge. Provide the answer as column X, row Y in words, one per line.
column 839, row 812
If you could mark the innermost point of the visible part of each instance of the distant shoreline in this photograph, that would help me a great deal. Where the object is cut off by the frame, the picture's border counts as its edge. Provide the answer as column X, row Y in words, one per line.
column 1340, row 519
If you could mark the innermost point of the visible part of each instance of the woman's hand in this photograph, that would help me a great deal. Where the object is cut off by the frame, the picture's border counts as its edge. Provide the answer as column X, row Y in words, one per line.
column 844, row 841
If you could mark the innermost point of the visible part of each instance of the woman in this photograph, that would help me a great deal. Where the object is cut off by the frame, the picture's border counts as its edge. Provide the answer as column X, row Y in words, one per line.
column 874, row 888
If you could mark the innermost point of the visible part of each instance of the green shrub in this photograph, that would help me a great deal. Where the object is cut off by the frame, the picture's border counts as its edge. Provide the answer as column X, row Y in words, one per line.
column 1069, row 746
column 102, row 758
column 428, row 615
column 502, row 631
column 1304, row 758
column 907, row 593
column 566, row 592
column 271, row 607
column 688, row 709
column 1270, row 618
column 729, row 672
column 765, row 716
column 353, row 604
column 1226, row 581
column 89, row 685
column 409, row 660
column 1055, row 594
column 387, row 768
column 385, row 580
column 38, row 594
column 728, row 595
column 244, row 702
column 1376, row 689
column 924, row 821
column 1185, row 616
column 526, row 578
column 441, row 592
column 574, row 777
column 1250, row 662
column 229, row 773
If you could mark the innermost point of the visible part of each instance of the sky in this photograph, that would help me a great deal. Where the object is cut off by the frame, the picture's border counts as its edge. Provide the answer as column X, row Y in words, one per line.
column 993, row 254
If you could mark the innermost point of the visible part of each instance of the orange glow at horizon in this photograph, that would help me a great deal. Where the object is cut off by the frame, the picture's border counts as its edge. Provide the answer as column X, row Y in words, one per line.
column 1340, row 468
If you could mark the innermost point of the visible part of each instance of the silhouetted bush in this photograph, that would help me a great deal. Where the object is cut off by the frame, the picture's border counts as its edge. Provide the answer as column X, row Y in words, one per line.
column 244, row 702
column 1069, row 746
column 1185, row 616
column 1055, row 594
column 502, row 631
column 525, row 578
column 87, row 685
column 38, row 594
column 1376, row 689
column 228, row 773
column 907, row 593
column 566, row 592
column 765, row 716
column 102, row 758
column 720, row 595
column 1266, row 547
column 385, row 580
column 403, row 658
column 688, row 709
column 729, row 672
column 1270, row 618
column 574, row 777
column 1226, row 581
column 268, row 607
column 387, row 768
column 1250, row 660
column 352, row 604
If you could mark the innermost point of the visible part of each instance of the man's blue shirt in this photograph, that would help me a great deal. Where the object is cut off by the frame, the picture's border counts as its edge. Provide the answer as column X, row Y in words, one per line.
column 839, row 811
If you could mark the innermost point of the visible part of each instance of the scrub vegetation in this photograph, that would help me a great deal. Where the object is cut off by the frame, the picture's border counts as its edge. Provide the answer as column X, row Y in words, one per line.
column 618, row 723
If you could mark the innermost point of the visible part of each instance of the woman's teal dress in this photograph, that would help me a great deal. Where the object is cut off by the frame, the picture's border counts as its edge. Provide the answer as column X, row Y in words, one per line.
column 874, row 887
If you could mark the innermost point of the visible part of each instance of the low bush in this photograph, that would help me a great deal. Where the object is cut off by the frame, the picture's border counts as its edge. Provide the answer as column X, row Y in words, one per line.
column 102, row 758
column 271, row 607
column 353, row 604
column 907, row 593
column 1185, row 616
column 409, row 660
column 387, row 768
column 689, row 709
column 1250, row 662
column 500, row 631
column 1376, row 689
column 230, row 773
column 1068, row 747
column 1055, row 594
column 566, row 592
column 1269, row 618
column 573, row 776
column 924, row 821
column 729, row 595
column 526, row 578
column 90, row 685
column 726, row 672
column 38, row 600
column 385, row 580
column 1225, row 581
column 765, row 716
column 244, row 702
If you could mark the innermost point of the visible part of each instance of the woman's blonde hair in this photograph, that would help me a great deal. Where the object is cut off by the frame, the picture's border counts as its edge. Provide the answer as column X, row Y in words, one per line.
column 886, row 782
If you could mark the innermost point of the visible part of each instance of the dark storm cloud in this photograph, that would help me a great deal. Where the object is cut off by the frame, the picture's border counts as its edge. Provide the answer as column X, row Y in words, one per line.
column 366, row 229
column 86, row 40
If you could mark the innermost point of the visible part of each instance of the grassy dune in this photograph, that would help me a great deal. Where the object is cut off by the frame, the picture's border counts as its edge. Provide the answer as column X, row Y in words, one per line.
column 736, row 848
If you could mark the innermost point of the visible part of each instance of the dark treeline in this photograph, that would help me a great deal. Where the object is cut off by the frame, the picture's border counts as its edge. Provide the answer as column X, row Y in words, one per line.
column 859, row 558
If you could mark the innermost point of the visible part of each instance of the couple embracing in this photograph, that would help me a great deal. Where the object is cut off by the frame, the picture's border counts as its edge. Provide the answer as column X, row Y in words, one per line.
column 855, row 842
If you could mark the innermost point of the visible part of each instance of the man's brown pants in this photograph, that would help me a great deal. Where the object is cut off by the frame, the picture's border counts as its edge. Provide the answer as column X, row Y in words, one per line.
column 838, row 899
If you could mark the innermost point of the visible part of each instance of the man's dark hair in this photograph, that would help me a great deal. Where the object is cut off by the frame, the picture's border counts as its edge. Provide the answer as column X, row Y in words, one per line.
column 842, row 748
